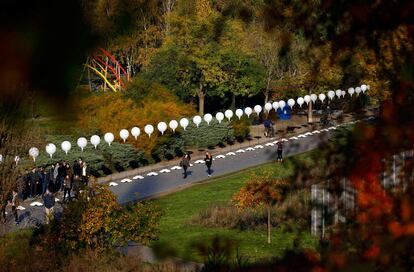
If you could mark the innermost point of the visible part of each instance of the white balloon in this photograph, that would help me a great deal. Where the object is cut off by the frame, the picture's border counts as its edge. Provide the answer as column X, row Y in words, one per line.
column 343, row 93
column 331, row 94
column 307, row 99
column 208, row 118
column 66, row 146
column 109, row 138
column 50, row 149
column 1, row 158
column 219, row 116
column 257, row 109
column 268, row 107
column 149, row 129
column 239, row 113
column 314, row 97
column 275, row 105
column 300, row 101
column 282, row 104
column 197, row 120
column 173, row 124
column 33, row 152
column 124, row 134
column 338, row 93
column 248, row 111
column 291, row 103
column 82, row 142
column 162, row 127
column 135, row 131
column 363, row 88
column 95, row 140
column 358, row 90
column 351, row 91
column 322, row 97
column 184, row 123
column 228, row 114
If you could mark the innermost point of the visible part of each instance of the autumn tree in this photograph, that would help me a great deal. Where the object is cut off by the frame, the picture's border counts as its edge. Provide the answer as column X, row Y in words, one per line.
column 262, row 190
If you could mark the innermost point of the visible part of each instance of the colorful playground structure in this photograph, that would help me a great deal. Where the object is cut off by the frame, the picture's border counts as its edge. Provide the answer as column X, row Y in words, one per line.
column 105, row 66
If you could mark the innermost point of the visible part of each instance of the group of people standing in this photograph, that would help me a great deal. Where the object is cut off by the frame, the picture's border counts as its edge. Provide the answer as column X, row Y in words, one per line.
column 185, row 163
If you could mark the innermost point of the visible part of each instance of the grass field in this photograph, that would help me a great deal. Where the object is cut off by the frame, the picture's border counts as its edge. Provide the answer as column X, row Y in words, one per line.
column 177, row 235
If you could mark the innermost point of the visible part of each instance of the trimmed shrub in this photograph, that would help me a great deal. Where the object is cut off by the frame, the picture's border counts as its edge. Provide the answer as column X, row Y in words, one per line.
column 208, row 135
column 241, row 128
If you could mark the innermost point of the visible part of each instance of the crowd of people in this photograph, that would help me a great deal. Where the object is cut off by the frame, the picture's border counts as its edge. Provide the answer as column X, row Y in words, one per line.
column 46, row 182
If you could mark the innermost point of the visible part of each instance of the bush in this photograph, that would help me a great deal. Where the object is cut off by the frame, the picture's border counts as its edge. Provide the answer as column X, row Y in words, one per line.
column 241, row 128
column 168, row 148
column 208, row 135
column 102, row 160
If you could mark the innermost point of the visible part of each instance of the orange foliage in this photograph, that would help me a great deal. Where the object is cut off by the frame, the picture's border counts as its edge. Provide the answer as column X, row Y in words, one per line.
column 111, row 112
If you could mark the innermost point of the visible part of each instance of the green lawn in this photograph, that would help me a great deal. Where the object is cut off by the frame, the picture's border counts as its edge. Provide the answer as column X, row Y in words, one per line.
column 177, row 235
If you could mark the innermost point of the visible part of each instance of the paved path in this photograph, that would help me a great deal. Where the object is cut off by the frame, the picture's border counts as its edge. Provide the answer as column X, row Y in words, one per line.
column 130, row 189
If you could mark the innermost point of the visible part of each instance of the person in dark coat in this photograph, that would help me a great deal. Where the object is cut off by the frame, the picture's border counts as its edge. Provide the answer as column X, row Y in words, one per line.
column 34, row 182
column 49, row 202
column 14, row 202
column 67, row 182
column 280, row 151
column 42, row 182
column 185, row 163
column 209, row 161
column 61, row 175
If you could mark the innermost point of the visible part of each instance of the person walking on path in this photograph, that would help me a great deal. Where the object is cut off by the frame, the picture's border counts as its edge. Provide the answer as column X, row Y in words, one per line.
column 14, row 202
column 185, row 163
column 34, row 182
column 67, row 182
column 209, row 161
column 49, row 202
column 85, row 174
column 56, row 178
column 280, row 151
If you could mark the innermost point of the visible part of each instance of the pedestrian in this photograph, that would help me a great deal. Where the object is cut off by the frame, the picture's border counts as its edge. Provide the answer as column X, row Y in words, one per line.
column 280, row 151
column 14, row 202
column 49, row 202
column 34, row 182
column 76, row 176
column 67, row 182
column 209, row 161
column 42, row 181
column 85, row 174
column 185, row 163
column 56, row 178
column 61, row 175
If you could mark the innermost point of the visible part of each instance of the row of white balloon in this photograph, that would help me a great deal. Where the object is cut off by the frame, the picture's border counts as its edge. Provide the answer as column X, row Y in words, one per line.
column 184, row 122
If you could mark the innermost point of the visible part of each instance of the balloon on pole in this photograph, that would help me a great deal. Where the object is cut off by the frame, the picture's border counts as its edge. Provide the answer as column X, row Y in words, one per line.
column 228, row 114
column 338, row 93
column 109, row 138
column 33, row 152
column 82, row 142
column 208, row 118
column 343, row 93
column 351, row 91
column 50, row 149
column 124, row 134
column 184, row 123
column 239, row 113
column 331, row 94
column 313, row 97
column 149, row 129
column 162, row 127
column 358, row 90
column 300, row 101
column 257, row 109
column 363, row 88
column 322, row 97
column 66, row 146
column 219, row 117
column 197, row 120
column 282, row 104
column 248, row 111
column 173, row 124
column 307, row 99
column 291, row 102
column 135, row 131
column 275, row 105
column 268, row 107
column 95, row 140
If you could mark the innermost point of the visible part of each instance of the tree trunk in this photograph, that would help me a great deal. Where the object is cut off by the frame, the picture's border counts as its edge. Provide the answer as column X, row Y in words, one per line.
column 268, row 224
column 267, row 88
column 310, row 118
column 201, row 96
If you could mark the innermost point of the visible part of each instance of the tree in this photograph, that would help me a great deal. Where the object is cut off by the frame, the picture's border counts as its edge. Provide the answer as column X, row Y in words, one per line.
column 262, row 190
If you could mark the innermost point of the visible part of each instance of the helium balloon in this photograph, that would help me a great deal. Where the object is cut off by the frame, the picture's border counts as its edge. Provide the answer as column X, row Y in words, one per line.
column 363, row 88
column 95, row 140
column 162, row 127
column 149, row 129
column 239, row 113
column 282, row 104
column 257, row 109
column 300, row 101
column 109, row 138
column 208, row 118
column 358, row 90
column 173, row 124
column 291, row 102
column 275, row 105
column 314, row 97
column 331, row 94
column 124, row 134
column 338, row 93
column 82, row 142
column 248, row 111
column 135, row 131
column 50, row 149
column 307, row 99
column 184, row 123
column 34, row 152
column 219, row 116
column 343, row 93
column 228, row 114
column 351, row 91
column 197, row 120
column 322, row 97
column 268, row 107
column 66, row 146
